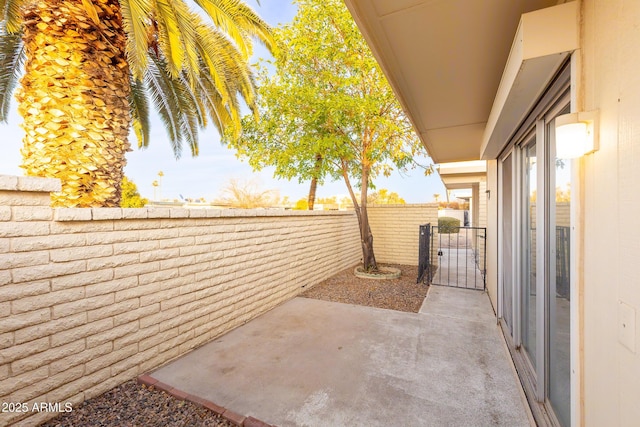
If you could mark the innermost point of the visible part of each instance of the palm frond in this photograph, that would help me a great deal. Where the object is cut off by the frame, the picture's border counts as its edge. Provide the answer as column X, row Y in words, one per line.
column 177, row 106
column 11, row 14
column 3, row 9
column 190, row 113
column 156, row 81
column 214, row 104
column 140, row 112
column 187, row 22
column 173, row 29
column 221, row 13
column 211, row 46
column 136, row 21
column 252, row 24
column 168, row 34
column 11, row 63
column 229, row 69
column 228, row 76
column 238, row 20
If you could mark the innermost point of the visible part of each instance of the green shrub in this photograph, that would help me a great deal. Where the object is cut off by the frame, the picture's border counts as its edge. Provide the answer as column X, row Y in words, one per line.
column 448, row 225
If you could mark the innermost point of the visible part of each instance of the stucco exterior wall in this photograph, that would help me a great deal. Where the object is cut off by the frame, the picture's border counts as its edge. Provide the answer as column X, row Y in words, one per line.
column 609, row 81
column 90, row 298
column 396, row 230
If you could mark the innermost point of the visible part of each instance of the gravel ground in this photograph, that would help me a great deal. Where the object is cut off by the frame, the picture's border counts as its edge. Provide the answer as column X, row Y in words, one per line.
column 134, row 405
column 401, row 294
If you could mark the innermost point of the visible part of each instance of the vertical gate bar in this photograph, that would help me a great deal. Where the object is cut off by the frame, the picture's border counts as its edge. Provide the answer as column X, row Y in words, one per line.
column 449, row 261
column 430, row 234
column 466, row 259
column 432, row 273
column 476, row 255
column 457, row 254
column 484, row 260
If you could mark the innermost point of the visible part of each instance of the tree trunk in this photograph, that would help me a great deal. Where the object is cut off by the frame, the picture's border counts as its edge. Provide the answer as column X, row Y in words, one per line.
column 366, row 237
column 74, row 100
column 314, row 182
column 312, row 193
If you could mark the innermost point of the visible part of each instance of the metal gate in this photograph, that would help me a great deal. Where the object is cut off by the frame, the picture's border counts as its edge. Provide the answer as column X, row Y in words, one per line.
column 454, row 256
column 423, row 252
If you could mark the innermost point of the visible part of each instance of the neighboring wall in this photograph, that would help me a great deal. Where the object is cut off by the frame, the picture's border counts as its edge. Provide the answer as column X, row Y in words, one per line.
column 90, row 298
column 609, row 81
column 396, row 230
column 482, row 203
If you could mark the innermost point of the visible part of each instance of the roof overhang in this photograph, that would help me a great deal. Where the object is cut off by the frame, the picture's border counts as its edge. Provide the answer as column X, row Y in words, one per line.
column 544, row 40
column 462, row 175
column 444, row 59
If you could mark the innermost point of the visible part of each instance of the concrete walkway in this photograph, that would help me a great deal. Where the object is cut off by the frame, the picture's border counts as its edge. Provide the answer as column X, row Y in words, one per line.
column 317, row 363
column 457, row 267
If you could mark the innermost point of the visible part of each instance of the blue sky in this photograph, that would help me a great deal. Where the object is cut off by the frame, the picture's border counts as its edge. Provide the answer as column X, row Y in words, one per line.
column 205, row 175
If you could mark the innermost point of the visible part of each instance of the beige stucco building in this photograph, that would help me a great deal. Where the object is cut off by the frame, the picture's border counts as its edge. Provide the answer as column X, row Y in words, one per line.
column 493, row 81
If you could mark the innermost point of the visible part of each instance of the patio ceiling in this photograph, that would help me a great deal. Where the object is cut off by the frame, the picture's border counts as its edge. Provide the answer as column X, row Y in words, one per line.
column 444, row 60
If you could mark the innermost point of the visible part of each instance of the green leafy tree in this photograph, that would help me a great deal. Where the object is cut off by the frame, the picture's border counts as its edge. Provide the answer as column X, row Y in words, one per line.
column 130, row 196
column 327, row 111
column 385, row 197
column 91, row 67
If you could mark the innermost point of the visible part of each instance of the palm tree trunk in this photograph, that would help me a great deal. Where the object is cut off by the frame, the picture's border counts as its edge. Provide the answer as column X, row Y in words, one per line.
column 74, row 100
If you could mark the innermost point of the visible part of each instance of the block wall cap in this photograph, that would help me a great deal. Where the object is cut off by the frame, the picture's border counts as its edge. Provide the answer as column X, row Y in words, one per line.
column 29, row 183
column 102, row 214
column 106, row 213
column 72, row 214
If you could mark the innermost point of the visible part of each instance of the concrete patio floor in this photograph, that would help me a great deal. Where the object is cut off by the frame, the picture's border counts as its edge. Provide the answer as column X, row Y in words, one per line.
column 318, row 363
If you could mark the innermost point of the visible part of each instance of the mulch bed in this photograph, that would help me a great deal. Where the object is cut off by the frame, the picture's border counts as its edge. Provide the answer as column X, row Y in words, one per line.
column 401, row 294
column 135, row 405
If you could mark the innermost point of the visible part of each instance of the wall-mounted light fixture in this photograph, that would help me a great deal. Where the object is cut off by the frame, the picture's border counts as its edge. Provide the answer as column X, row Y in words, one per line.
column 576, row 134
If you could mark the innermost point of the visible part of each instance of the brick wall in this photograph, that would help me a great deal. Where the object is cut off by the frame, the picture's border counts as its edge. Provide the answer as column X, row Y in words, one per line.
column 395, row 230
column 90, row 298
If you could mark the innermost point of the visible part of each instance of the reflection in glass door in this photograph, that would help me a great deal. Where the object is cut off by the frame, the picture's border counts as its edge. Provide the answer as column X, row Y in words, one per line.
column 528, row 309
column 559, row 294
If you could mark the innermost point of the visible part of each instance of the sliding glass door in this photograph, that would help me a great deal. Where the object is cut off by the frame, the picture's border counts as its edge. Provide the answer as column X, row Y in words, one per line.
column 535, row 260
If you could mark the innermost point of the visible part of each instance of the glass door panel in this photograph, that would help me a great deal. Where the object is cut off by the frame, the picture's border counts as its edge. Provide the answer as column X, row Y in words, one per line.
column 507, row 241
column 559, row 286
column 528, row 309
